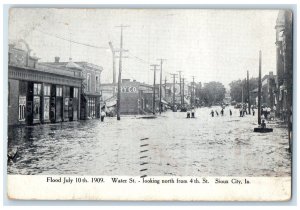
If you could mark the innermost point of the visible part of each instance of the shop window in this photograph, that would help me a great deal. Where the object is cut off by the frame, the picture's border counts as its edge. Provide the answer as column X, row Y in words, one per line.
column 92, row 107
column 36, row 108
column 22, row 108
column 37, row 90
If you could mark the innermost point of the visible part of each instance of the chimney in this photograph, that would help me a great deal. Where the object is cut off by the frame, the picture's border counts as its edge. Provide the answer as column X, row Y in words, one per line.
column 57, row 59
column 125, row 80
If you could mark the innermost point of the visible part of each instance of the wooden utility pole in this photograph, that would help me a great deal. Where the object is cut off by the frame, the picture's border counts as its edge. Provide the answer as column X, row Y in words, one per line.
column 180, row 88
column 174, row 75
column 183, row 91
column 160, row 84
column 165, row 86
column 120, row 72
column 243, row 85
column 114, row 61
column 259, row 90
column 248, row 92
column 154, row 78
column 193, row 92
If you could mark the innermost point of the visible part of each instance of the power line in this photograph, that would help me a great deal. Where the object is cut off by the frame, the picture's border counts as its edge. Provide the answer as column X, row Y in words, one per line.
column 69, row 40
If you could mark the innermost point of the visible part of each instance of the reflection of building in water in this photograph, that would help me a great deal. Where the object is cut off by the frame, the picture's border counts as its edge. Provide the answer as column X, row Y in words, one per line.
column 49, row 92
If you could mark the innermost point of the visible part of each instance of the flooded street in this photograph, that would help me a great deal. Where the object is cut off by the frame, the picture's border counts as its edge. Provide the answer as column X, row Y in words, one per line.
column 171, row 144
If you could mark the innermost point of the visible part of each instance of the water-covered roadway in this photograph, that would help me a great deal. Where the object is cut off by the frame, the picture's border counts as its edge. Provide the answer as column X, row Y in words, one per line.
column 171, row 144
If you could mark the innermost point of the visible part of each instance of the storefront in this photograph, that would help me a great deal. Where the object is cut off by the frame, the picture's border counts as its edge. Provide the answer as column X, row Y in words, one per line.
column 41, row 97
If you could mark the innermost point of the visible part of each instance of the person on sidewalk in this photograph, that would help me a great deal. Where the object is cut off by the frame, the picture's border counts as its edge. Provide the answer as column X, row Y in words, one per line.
column 103, row 114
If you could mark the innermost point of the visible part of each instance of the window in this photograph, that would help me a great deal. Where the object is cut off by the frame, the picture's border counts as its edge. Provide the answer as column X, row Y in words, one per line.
column 22, row 106
column 37, row 89
column 47, row 90
column 92, row 107
column 97, row 83
column 58, row 91
column 36, row 107
column 75, row 93
column 88, row 82
column 8, row 93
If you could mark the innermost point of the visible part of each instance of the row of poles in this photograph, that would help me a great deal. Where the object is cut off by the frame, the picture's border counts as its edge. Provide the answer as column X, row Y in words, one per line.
column 258, row 93
column 155, row 68
column 174, row 76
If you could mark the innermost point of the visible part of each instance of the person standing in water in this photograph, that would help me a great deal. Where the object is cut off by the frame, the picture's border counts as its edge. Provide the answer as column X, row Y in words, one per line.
column 103, row 114
column 230, row 112
column 222, row 112
column 212, row 113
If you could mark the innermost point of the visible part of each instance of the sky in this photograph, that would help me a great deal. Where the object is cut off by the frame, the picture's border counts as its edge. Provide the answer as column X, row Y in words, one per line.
column 212, row 45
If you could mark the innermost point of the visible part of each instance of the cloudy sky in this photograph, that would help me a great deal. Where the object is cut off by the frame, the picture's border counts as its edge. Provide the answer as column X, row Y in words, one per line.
column 212, row 45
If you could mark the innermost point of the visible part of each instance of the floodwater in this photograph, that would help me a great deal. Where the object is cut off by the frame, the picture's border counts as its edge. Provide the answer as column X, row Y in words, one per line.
column 169, row 145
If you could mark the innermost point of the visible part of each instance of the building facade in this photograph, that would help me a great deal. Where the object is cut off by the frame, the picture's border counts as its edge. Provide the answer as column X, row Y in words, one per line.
column 136, row 97
column 268, row 92
column 39, row 93
column 284, row 58
column 90, row 95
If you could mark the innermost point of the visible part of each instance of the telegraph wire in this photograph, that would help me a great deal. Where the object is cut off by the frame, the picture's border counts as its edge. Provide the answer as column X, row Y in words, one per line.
column 69, row 40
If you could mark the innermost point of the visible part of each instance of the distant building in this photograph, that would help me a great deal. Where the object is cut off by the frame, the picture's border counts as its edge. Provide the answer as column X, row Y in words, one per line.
column 136, row 97
column 268, row 91
column 170, row 88
column 268, row 86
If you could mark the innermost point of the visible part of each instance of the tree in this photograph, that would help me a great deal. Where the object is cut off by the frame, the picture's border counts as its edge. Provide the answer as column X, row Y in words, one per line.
column 237, row 86
column 212, row 93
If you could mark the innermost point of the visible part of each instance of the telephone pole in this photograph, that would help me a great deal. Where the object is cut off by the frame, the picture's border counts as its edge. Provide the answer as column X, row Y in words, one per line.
column 120, row 72
column 174, row 75
column 183, row 91
column 114, row 61
column 165, row 86
column 154, row 78
column 248, row 92
column 160, row 84
column 193, row 92
column 259, row 90
column 180, row 91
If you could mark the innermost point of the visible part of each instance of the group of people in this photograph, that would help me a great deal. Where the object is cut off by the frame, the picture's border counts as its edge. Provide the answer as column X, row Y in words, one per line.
column 266, row 111
column 191, row 113
column 217, row 113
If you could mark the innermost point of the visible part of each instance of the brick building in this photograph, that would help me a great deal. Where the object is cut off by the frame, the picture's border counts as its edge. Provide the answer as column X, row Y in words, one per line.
column 90, row 88
column 39, row 93
column 136, row 97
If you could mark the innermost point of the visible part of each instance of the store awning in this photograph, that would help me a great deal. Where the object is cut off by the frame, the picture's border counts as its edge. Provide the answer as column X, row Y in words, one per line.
column 111, row 102
column 186, row 101
column 162, row 101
